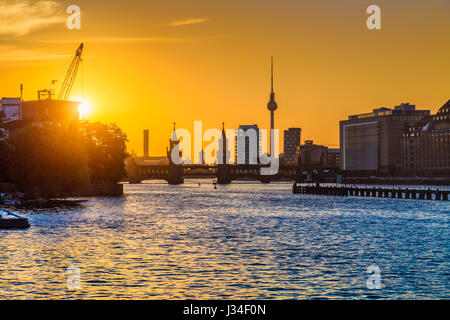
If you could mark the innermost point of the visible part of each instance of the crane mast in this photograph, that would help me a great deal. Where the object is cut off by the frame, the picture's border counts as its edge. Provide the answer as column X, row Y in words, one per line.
column 71, row 74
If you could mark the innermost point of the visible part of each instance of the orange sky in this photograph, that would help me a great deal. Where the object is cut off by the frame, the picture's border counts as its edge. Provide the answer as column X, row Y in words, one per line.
column 150, row 63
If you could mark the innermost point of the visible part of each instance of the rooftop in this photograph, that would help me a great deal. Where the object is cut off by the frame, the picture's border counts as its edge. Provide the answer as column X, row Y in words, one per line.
column 404, row 108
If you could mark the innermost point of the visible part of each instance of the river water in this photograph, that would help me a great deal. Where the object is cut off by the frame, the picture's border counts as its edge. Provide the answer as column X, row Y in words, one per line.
column 240, row 241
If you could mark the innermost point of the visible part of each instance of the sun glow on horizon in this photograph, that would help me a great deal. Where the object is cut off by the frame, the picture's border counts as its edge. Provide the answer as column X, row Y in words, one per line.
column 84, row 110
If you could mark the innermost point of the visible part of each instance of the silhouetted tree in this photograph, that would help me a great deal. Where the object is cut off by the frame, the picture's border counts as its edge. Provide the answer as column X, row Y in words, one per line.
column 3, row 151
column 106, row 149
column 48, row 160
column 2, row 116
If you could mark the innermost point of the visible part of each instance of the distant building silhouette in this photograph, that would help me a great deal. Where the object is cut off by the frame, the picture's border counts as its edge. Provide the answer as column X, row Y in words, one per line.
column 292, row 141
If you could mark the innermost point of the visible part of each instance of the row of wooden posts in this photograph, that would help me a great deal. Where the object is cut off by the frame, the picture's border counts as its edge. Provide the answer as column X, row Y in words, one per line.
column 400, row 193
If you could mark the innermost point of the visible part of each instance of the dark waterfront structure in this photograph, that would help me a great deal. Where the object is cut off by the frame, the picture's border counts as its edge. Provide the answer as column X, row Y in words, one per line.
column 426, row 146
column 310, row 154
column 371, row 142
column 292, row 138
column 401, row 193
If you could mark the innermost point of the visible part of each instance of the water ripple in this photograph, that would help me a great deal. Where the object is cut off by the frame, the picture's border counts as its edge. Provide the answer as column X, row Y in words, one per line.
column 241, row 241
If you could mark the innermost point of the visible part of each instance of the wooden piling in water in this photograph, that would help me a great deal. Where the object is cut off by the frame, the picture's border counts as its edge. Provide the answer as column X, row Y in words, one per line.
column 373, row 192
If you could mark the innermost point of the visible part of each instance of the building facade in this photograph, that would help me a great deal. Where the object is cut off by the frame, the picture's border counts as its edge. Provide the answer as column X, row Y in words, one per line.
column 247, row 144
column 292, row 143
column 370, row 143
column 311, row 153
column 18, row 113
column 11, row 109
column 333, row 158
column 426, row 146
column 315, row 154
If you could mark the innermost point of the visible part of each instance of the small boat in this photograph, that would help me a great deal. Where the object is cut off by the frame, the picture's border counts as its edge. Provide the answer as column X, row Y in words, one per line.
column 11, row 202
column 12, row 223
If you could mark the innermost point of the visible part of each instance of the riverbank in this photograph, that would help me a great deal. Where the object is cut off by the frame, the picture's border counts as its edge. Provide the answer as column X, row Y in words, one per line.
column 91, row 190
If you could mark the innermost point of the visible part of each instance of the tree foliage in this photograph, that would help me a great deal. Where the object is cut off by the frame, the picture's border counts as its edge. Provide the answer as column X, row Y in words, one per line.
column 2, row 115
column 3, row 151
column 52, row 161
column 48, row 160
column 106, row 149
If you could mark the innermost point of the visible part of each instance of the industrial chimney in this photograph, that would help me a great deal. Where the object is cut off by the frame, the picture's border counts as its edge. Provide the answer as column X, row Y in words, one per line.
column 146, row 143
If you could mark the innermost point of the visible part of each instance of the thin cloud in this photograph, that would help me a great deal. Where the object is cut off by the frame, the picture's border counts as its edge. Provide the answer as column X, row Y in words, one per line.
column 19, row 18
column 107, row 40
column 186, row 22
column 18, row 52
column 13, row 55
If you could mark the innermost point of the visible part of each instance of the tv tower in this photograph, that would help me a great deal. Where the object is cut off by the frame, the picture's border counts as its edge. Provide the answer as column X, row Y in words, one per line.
column 272, row 106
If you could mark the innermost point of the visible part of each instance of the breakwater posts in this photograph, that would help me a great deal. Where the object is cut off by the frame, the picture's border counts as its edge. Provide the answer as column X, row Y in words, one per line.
column 401, row 193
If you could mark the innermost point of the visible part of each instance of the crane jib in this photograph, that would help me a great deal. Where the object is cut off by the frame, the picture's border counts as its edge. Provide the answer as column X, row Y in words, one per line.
column 71, row 74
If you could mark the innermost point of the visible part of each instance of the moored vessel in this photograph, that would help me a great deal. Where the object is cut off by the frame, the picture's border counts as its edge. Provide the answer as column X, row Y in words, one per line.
column 9, row 220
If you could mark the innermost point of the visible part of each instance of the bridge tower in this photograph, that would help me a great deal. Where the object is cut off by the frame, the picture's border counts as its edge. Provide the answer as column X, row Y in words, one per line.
column 223, row 169
column 175, row 174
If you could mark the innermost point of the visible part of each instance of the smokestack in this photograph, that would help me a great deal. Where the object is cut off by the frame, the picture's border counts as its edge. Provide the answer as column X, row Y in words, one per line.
column 145, row 143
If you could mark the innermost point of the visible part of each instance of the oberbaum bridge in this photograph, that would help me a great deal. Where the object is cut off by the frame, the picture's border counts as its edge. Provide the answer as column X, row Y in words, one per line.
column 225, row 172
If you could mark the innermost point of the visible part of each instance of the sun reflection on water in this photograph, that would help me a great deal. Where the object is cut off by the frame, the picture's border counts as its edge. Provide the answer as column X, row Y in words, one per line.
column 240, row 241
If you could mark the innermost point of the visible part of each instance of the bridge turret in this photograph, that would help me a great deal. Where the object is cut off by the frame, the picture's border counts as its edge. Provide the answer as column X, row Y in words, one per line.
column 223, row 169
column 224, row 144
column 175, row 173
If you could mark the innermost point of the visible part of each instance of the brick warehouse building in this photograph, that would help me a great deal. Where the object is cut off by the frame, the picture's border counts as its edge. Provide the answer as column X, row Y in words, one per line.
column 426, row 146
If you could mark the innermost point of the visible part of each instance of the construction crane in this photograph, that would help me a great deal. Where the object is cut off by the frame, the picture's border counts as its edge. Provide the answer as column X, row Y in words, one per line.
column 68, row 80
column 71, row 74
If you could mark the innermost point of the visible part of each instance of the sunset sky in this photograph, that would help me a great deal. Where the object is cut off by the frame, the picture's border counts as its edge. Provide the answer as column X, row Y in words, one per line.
column 148, row 63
